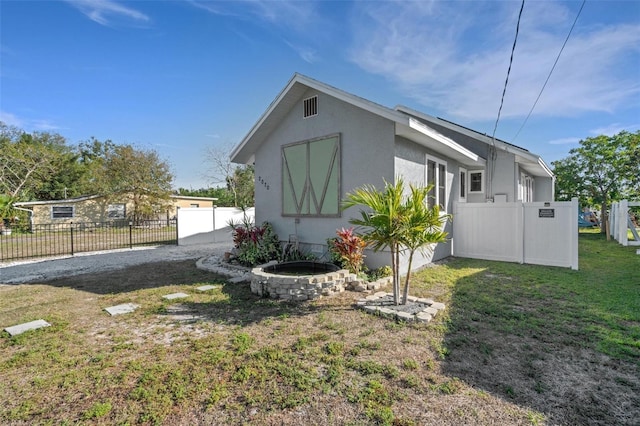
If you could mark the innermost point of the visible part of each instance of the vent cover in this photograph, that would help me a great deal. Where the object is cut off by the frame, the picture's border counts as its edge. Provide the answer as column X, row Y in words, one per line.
column 310, row 107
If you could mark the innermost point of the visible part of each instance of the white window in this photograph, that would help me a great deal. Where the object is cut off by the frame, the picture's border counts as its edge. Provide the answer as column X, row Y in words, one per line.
column 525, row 188
column 462, row 185
column 476, row 181
column 61, row 212
column 437, row 176
column 310, row 106
column 116, row 211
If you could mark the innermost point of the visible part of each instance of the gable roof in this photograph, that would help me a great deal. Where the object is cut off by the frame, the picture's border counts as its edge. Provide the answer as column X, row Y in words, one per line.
column 532, row 163
column 405, row 125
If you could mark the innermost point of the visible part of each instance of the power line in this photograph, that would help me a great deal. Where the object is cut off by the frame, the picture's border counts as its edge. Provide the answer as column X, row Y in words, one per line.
column 492, row 149
column 550, row 72
column 504, row 91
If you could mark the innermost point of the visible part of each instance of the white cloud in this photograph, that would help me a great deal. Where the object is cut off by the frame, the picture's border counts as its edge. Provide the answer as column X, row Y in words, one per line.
column 28, row 124
column 564, row 141
column 10, row 119
column 293, row 18
column 613, row 129
column 107, row 12
column 453, row 57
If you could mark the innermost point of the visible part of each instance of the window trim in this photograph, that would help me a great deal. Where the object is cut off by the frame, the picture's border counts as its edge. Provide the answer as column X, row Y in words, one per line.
column 73, row 212
column 471, row 172
column 463, row 185
column 439, row 162
column 336, row 164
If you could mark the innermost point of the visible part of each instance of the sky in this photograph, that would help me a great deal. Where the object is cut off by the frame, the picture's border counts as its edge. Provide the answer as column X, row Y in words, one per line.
column 188, row 77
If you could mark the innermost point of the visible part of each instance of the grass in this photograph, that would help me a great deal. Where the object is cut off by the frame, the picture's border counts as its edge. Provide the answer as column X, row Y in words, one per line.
column 517, row 344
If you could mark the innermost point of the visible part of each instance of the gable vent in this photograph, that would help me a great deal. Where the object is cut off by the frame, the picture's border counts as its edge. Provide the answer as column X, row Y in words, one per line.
column 310, row 107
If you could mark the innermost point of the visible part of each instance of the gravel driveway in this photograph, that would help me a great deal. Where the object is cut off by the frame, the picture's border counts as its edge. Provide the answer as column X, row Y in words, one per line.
column 82, row 263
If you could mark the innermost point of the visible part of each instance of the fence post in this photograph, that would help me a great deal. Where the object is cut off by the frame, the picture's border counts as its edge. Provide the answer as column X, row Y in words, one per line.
column 130, row 235
column 177, row 224
column 575, row 207
column 71, row 225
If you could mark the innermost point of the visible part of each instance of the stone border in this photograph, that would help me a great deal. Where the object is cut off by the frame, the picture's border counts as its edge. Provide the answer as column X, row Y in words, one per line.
column 396, row 312
column 238, row 274
column 303, row 287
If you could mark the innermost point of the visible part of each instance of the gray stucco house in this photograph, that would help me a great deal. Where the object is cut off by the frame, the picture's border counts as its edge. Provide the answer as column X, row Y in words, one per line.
column 316, row 143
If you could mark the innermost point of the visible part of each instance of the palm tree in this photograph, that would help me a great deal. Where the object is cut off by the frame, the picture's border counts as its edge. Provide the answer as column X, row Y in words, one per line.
column 422, row 227
column 382, row 218
column 399, row 223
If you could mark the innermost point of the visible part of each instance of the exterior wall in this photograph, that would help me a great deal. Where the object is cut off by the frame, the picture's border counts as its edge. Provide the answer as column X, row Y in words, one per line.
column 184, row 203
column 504, row 177
column 544, row 189
column 410, row 164
column 93, row 210
column 366, row 158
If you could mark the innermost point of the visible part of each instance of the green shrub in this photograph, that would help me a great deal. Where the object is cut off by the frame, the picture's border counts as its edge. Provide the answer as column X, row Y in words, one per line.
column 255, row 245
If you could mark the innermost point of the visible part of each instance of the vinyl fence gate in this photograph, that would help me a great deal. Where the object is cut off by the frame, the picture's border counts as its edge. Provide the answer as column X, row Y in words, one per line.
column 541, row 233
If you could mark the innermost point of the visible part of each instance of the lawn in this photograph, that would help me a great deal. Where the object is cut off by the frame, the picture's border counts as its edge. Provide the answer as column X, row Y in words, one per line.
column 517, row 344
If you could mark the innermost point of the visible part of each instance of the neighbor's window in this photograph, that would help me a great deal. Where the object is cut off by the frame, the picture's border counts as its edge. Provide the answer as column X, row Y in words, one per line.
column 437, row 176
column 310, row 106
column 463, row 184
column 476, row 181
column 311, row 177
column 62, row 212
column 194, row 205
column 116, row 211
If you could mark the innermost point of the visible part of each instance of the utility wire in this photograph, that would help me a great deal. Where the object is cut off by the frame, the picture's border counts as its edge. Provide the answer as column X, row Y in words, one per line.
column 550, row 72
column 492, row 149
column 504, row 91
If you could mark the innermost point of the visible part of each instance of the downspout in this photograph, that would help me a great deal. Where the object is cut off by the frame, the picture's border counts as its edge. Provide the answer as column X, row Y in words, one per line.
column 30, row 216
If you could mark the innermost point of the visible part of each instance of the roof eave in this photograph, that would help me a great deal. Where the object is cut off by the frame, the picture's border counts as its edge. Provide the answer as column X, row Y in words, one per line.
column 243, row 153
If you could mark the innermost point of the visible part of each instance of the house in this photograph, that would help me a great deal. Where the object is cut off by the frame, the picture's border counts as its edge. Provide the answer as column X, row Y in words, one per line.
column 96, row 208
column 316, row 143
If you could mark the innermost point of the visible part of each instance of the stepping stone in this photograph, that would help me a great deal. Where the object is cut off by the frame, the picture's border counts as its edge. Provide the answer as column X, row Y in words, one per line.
column 21, row 328
column 206, row 287
column 125, row 308
column 175, row 296
column 437, row 305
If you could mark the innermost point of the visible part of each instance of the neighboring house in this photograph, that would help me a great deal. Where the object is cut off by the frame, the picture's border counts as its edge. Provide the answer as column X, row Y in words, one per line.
column 315, row 143
column 96, row 208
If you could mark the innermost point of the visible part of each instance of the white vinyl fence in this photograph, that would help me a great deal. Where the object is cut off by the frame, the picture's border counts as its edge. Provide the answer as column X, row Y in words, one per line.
column 535, row 233
column 620, row 222
column 197, row 225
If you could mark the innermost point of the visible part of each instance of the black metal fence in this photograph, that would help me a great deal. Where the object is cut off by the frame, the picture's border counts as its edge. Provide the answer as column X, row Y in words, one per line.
column 69, row 238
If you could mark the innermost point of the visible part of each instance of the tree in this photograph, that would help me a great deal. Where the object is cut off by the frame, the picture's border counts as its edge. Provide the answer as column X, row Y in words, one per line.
column 381, row 221
column 238, row 179
column 117, row 171
column 397, row 222
column 603, row 169
column 422, row 227
column 30, row 162
column 241, row 184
